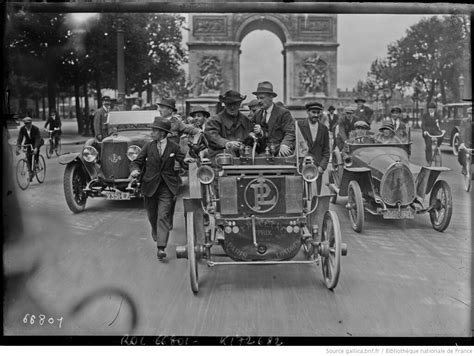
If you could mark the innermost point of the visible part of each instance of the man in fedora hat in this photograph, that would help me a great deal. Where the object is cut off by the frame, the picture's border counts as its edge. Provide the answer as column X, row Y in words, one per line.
column 167, row 109
column 199, row 116
column 316, row 136
column 29, row 135
column 333, row 118
column 274, row 122
column 362, row 112
column 399, row 126
column 230, row 128
column 430, row 124
column 160, row 180
column 100, row 118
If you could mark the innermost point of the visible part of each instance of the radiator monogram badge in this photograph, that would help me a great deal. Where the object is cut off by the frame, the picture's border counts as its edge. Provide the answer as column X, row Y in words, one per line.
column 261, row 195
column 114, row 158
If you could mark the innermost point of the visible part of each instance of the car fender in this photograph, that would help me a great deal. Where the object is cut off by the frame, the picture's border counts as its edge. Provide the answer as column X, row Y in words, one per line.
column 89, row 168
column 426, row 179
column 68, row 157
column 360, row 174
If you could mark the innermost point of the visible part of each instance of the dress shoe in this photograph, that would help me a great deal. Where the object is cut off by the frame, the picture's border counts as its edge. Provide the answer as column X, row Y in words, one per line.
column 161, row 254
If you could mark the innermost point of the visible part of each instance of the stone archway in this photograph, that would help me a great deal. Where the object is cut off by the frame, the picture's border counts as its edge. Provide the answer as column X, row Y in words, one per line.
column 310, row 53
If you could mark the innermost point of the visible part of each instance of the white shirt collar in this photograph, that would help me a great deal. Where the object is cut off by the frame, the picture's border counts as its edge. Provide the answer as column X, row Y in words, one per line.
column 269, row 112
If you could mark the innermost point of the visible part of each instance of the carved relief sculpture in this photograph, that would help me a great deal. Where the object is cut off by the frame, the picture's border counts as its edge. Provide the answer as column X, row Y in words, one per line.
column 210, row 75
column 313, row 78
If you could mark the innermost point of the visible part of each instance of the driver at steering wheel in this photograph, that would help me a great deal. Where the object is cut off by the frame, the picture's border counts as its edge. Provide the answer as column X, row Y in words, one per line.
column 361, row 133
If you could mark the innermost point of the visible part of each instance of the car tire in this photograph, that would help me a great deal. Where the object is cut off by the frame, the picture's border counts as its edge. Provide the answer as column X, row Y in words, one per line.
column 455, row 143
column 356, row 210
column 439, row 221
column 75, row 180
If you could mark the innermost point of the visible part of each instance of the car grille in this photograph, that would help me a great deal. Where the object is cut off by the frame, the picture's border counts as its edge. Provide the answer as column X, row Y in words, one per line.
column 397, row 185
column 114, row 160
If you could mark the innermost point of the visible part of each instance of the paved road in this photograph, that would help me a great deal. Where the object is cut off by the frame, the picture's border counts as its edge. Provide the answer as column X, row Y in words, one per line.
column 400, row 278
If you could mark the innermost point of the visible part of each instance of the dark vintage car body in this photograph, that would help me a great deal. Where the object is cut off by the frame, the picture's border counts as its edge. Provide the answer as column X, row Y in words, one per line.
column 101, row 169
column 380, row 179
column 452, row 116
column 259, row 210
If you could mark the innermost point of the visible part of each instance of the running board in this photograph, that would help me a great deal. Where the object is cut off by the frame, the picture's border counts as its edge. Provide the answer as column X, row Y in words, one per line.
column 212, row 263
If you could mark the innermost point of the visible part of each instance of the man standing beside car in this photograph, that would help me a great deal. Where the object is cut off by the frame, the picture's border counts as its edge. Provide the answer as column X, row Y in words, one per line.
column 100, row 118
column 160, row 181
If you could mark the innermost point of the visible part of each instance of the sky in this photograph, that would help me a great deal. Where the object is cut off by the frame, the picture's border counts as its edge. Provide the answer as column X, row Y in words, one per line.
column 361, row 38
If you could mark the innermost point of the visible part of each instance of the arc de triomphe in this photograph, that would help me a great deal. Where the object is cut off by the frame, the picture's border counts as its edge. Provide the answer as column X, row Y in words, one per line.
column 309, row 53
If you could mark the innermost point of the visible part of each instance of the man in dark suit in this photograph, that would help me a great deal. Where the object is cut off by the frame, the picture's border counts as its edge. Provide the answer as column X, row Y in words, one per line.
column 100, row 118
column 274, row 122
column 333, row 118
column 316, row 136
column 29, row 135
column 362, row 112
column 430, row 124
column 160, row 181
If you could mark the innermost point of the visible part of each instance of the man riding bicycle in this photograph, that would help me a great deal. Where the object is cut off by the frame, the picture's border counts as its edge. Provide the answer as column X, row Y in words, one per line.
column 29, row 135
column 465, row 138
column 430, row 125
column 54, row 123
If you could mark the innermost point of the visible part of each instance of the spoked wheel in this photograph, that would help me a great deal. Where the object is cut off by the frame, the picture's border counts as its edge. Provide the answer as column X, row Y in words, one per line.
column 455, row 143
column 437, row 161
column 355, row 205
column 331, row 247
column 40, row 171
column 441, row 201
column 192, row 259
column 75, row 180
column 22, row 174
column 58, row 149
column 49, row 149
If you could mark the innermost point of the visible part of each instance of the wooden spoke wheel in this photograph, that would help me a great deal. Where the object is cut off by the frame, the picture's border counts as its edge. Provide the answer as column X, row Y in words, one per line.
column 355, row 206
column 331, row 249
column 40, row 170
column 22, row 174
column 192, row 258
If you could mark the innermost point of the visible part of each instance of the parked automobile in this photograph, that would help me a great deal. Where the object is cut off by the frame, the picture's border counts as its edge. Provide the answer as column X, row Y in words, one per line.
column 101, row 169
column 452, row 116
column 379, row 179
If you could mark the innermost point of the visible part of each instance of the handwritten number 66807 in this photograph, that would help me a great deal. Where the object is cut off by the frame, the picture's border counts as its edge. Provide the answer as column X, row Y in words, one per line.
column 41, row 320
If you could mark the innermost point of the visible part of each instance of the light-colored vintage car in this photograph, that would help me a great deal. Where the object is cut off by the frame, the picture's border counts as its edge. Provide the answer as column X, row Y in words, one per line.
column 381, row 180
column 101, row 169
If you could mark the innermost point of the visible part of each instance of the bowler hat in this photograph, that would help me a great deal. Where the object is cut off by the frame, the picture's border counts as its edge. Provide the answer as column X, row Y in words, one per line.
column 231, row 96
column 362, row 124
column 169, row 102
column 161, row 124
column 432, row 105
column 359, row 99
column 387, row 126
column 27, row 120
column 331, row 108
column 197, row 109
column 396, row 109
column 253, row 103
column 314, row 105
column 265, row 88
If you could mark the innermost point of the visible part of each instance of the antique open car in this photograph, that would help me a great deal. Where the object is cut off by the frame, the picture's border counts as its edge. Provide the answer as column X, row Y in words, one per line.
column 101, row 169
column 380, row 179
column 259, row 211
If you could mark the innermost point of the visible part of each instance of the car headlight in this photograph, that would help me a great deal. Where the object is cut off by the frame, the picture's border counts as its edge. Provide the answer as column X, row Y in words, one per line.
column 133, row 152
column 310, row 172
column 89, row 154
column 205, row 174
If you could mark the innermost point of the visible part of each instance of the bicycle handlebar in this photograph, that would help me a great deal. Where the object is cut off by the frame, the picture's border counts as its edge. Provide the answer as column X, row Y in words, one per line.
column 436, row 136
column 56, row 129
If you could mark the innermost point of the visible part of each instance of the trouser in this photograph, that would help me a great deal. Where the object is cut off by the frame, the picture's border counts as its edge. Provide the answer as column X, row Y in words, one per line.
column 55, row 137
column 428, row 151
column 29, row 157
column 160, row 212
column 462, row 157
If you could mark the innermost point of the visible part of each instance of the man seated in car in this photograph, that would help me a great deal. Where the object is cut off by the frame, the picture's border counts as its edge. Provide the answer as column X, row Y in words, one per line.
column 386, row 134
column 361, row 133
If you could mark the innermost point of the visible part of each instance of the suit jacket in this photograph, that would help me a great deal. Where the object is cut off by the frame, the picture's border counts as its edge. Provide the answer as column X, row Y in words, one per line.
column 430, row 124
column 100, row 117
column 364, row 114
column 333, row 121
column 319, row 148
column 35, row 139
column 158, row 169
column 280, row 129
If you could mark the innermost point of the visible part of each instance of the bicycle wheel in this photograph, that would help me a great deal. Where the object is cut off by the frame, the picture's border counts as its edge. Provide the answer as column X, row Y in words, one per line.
column 58, row 149
column 437, row 157
column 22, row 174
column 40, row 170
column 49, row 149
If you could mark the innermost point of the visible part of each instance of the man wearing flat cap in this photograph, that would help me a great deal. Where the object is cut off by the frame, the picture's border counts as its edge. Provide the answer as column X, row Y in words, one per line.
column 361, row 133
column 343, row 128
column 274, row 122
column 316, row 136
column 160, row 181
column 230, row 128
column 29, row 135
column 362, row 112
column 100, row 118
column 399, row 126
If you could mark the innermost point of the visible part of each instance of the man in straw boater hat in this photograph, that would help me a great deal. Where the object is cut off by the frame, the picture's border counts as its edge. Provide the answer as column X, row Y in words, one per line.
column 230, row 128
column 362, row 112
column 160, row 180
column 274, row 122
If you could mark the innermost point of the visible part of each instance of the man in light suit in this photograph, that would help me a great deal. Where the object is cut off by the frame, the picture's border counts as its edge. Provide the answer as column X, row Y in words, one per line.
column 160, row 181
column 316, row 136
column 274, row 122
column 100, row 118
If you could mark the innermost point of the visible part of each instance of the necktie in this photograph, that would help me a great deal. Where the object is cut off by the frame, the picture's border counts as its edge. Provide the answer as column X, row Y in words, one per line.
column 160, row 151
column 265, row 116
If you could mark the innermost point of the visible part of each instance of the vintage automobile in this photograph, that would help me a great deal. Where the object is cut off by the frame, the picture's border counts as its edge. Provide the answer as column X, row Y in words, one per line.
column 380, row 179
column 259, row 211
column 101, row 169
column 453, row 114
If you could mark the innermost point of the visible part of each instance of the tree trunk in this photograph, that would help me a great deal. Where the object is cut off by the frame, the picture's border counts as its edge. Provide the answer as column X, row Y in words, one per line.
column 51, row 73
column 97, row 88
column 80, row 123
column 37, row 107
column 86, row 110
column 149, row 92
column 443, row 91
column 44, row 106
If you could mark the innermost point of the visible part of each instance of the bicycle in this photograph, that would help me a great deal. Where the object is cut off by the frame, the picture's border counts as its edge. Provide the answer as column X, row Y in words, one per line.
column 435, row 150
column 50, row 146
column 23, row 177
column 468, row 176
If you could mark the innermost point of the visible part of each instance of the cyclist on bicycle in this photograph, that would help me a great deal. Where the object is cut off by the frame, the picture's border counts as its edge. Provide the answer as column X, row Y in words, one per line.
column 430, row 125
column 29, row 135
column 54, row 123
column 465, row 138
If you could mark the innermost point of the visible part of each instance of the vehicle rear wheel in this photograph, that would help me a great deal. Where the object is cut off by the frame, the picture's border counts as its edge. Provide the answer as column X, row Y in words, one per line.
column 192, row 258
column 49, row 149
column 331, row 249
column 437, row 161
column 355, row 205
column 75, row 180
column 22, row 174
column 455, row 143
column 442, row 203
column 40, row 171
